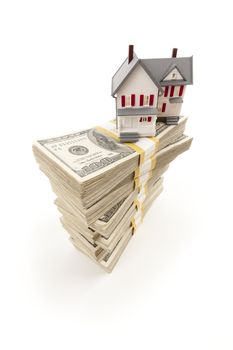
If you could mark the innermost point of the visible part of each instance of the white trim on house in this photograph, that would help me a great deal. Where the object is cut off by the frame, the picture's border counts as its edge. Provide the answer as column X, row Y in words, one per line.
column 143, row 125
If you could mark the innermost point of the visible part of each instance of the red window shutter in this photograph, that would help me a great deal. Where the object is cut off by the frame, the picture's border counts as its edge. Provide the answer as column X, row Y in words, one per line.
column 181, row 90
column 172, row 91
column 164, row 107
column 149, row 119
column 123, row 101
column 141, row 100
column 166, row 91
column 132, row 100
column 151, row 102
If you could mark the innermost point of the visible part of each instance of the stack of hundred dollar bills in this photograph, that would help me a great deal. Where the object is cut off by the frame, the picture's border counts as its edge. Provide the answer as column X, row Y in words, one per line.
column 103, row 187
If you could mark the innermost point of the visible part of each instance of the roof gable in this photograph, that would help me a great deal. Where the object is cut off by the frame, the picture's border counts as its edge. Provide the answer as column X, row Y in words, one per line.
column 138, row 81
column 123, row 72
column 173, row 74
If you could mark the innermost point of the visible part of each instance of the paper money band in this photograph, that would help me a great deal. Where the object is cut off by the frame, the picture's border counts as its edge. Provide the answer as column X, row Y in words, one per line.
column 147, row 148
column 142, row 175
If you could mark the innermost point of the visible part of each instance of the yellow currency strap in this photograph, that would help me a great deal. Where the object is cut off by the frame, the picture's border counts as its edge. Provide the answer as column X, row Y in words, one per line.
column 108, row 133
column 133, row 225
column 136, row 203
column 137, row 181
column 137, row 173
column 139, row 205
column 141, row 153
column 156, row 141
column 153, row 162
column 138, row 170
column 133, row 146
column 138, row 149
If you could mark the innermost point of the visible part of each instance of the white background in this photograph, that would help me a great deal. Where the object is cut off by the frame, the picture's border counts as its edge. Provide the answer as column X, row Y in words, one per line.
column 172, row 288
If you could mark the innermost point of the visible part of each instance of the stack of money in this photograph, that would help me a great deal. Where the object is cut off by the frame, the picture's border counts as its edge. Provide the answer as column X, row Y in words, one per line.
column 103, row 187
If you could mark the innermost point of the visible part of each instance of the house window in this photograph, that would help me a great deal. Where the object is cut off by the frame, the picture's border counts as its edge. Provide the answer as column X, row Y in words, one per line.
column 151, row 102
column 181, row 90
column 132, row 100
column 128, row 101
column 172, row 91
column 141, row 100
column 123, row 101
column 166, row 91
column 164, row 107
column 145, row 119
column 146, row 100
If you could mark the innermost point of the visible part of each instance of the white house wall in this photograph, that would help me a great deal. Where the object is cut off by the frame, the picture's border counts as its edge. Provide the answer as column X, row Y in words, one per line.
column 172, row 109
column 132, row 124
column 138, row 83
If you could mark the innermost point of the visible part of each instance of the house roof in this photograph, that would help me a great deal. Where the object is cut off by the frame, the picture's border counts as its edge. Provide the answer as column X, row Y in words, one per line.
column 123, row 72
column 157, row 69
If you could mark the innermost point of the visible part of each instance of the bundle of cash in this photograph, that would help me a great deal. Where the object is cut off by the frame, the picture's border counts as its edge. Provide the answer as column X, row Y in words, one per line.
column 104, row 187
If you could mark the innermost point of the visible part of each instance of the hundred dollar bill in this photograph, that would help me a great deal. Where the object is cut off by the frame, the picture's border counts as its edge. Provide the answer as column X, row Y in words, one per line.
column 91, row 152
column 86, row 152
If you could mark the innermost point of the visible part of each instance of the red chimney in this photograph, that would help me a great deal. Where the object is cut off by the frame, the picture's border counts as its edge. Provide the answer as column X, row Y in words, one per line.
column 174, row 52
column 130, row 55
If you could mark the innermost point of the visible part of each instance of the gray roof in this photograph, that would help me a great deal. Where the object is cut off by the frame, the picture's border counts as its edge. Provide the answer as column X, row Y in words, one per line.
column 157, row 69
column 123, row 72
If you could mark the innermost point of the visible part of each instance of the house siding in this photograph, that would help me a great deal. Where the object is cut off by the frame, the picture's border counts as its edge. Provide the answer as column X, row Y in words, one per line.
column 133, row 124
column 138, row 83
column 172, row 109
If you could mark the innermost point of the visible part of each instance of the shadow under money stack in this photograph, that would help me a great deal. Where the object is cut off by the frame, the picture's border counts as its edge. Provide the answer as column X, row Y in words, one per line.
column 104, row 188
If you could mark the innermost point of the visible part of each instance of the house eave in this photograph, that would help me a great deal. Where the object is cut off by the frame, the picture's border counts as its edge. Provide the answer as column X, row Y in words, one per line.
column 114, row 91
column 174, row 83
column 136, row 111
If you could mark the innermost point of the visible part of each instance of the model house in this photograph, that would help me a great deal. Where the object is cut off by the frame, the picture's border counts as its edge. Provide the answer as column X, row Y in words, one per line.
column 149, row 90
